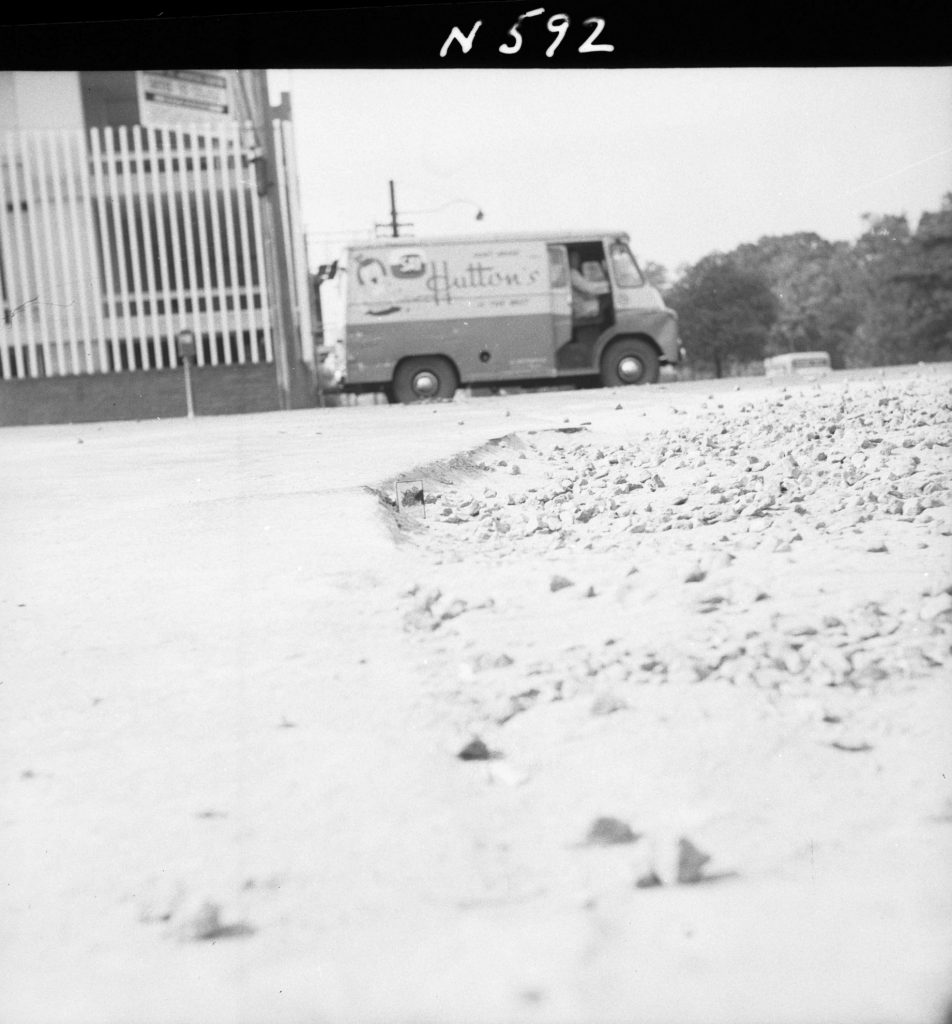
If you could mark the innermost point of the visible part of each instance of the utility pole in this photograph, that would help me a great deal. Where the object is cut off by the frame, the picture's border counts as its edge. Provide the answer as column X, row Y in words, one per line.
column 286, row 350
column 395, row 227
column 394, row 224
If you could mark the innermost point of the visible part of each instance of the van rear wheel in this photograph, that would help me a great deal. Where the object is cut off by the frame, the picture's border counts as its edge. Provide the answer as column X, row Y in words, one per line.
column 630, row 361
column 424, row 377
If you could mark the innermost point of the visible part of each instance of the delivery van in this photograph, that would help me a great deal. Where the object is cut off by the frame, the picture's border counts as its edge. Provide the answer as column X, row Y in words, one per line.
column 425, row 317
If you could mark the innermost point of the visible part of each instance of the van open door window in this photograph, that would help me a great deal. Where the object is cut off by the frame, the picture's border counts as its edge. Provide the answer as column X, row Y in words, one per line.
column 561, row 291
column 558, row 266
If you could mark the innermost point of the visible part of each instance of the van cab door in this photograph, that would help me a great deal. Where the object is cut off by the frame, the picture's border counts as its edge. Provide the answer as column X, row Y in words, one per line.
column 561, row 295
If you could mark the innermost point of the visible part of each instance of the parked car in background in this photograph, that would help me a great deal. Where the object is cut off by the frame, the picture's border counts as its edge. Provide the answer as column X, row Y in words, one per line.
column 798, row 364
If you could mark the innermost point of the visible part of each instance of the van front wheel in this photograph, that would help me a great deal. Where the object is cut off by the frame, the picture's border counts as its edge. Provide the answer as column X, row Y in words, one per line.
column 424, row 377
column 629, row 361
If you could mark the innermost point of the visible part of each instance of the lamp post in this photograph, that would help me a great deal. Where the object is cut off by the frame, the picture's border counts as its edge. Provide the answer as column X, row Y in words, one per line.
column 452, row 202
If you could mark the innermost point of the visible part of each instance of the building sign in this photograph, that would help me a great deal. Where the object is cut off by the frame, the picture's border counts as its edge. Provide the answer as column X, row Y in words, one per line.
column 185, row 98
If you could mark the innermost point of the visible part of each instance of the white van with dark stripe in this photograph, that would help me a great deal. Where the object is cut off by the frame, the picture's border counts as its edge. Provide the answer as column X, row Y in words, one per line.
column 424, row 317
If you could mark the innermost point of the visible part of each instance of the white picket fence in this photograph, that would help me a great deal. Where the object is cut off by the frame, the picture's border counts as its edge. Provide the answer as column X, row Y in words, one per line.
column 112, row 242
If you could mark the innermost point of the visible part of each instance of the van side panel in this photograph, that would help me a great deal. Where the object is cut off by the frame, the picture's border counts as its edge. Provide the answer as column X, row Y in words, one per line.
column 484, row 304
column 488, row 348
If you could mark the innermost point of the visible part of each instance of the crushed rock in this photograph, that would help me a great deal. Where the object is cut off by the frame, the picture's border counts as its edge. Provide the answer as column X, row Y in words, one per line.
column 609, row 831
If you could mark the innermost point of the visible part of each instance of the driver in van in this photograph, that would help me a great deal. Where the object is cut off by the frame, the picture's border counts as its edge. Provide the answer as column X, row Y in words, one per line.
column 585, row 293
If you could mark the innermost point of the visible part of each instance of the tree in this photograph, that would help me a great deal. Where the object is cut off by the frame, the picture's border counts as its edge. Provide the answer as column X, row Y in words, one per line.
column 929, row 276
column 813, row 280
column 725, row 312
column 904, row 288
column 885, row 299
column 879, row 255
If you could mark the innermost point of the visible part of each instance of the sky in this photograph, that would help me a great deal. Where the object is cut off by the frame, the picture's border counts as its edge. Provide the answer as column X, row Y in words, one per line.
column 688, row 161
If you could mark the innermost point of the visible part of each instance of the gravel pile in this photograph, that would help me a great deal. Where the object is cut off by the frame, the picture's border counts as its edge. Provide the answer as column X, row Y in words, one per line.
column 835, row 462
column 864, row 467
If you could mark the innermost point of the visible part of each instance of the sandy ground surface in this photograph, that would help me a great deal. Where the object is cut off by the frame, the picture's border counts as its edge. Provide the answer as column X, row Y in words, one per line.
column 693, row 640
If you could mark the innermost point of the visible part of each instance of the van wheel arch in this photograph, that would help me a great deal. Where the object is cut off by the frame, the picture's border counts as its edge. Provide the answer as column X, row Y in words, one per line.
column 639, row 349
column 418, row 378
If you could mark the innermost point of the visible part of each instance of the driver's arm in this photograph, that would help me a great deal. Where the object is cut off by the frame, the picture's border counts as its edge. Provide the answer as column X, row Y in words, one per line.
column 586, row 287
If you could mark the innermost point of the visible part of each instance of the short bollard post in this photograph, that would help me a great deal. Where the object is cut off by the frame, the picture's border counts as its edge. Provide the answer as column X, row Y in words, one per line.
column 185, row 346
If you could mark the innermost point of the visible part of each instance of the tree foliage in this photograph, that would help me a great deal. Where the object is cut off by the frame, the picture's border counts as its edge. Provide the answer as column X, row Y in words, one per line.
column 813, row 282
column 725, row 312
column 884, row 299
column 904, row 290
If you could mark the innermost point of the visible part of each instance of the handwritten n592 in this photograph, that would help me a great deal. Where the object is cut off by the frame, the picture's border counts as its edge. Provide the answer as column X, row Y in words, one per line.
column 557, row 24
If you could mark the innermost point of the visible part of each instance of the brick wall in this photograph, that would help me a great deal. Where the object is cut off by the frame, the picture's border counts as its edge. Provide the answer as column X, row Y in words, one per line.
column 150, row 394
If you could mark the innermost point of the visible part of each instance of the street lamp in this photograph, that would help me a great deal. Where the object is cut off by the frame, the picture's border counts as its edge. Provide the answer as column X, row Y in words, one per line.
column 469, row 202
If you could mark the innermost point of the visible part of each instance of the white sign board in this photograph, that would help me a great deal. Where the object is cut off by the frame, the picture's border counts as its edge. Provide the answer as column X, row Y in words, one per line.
column 185, row 98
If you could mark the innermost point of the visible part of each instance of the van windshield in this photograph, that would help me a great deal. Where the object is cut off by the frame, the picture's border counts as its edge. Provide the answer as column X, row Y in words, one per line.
column 627, row 274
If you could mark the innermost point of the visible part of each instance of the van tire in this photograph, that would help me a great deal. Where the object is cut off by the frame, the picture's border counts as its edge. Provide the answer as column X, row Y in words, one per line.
column 424, row 378
column 629, row 361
